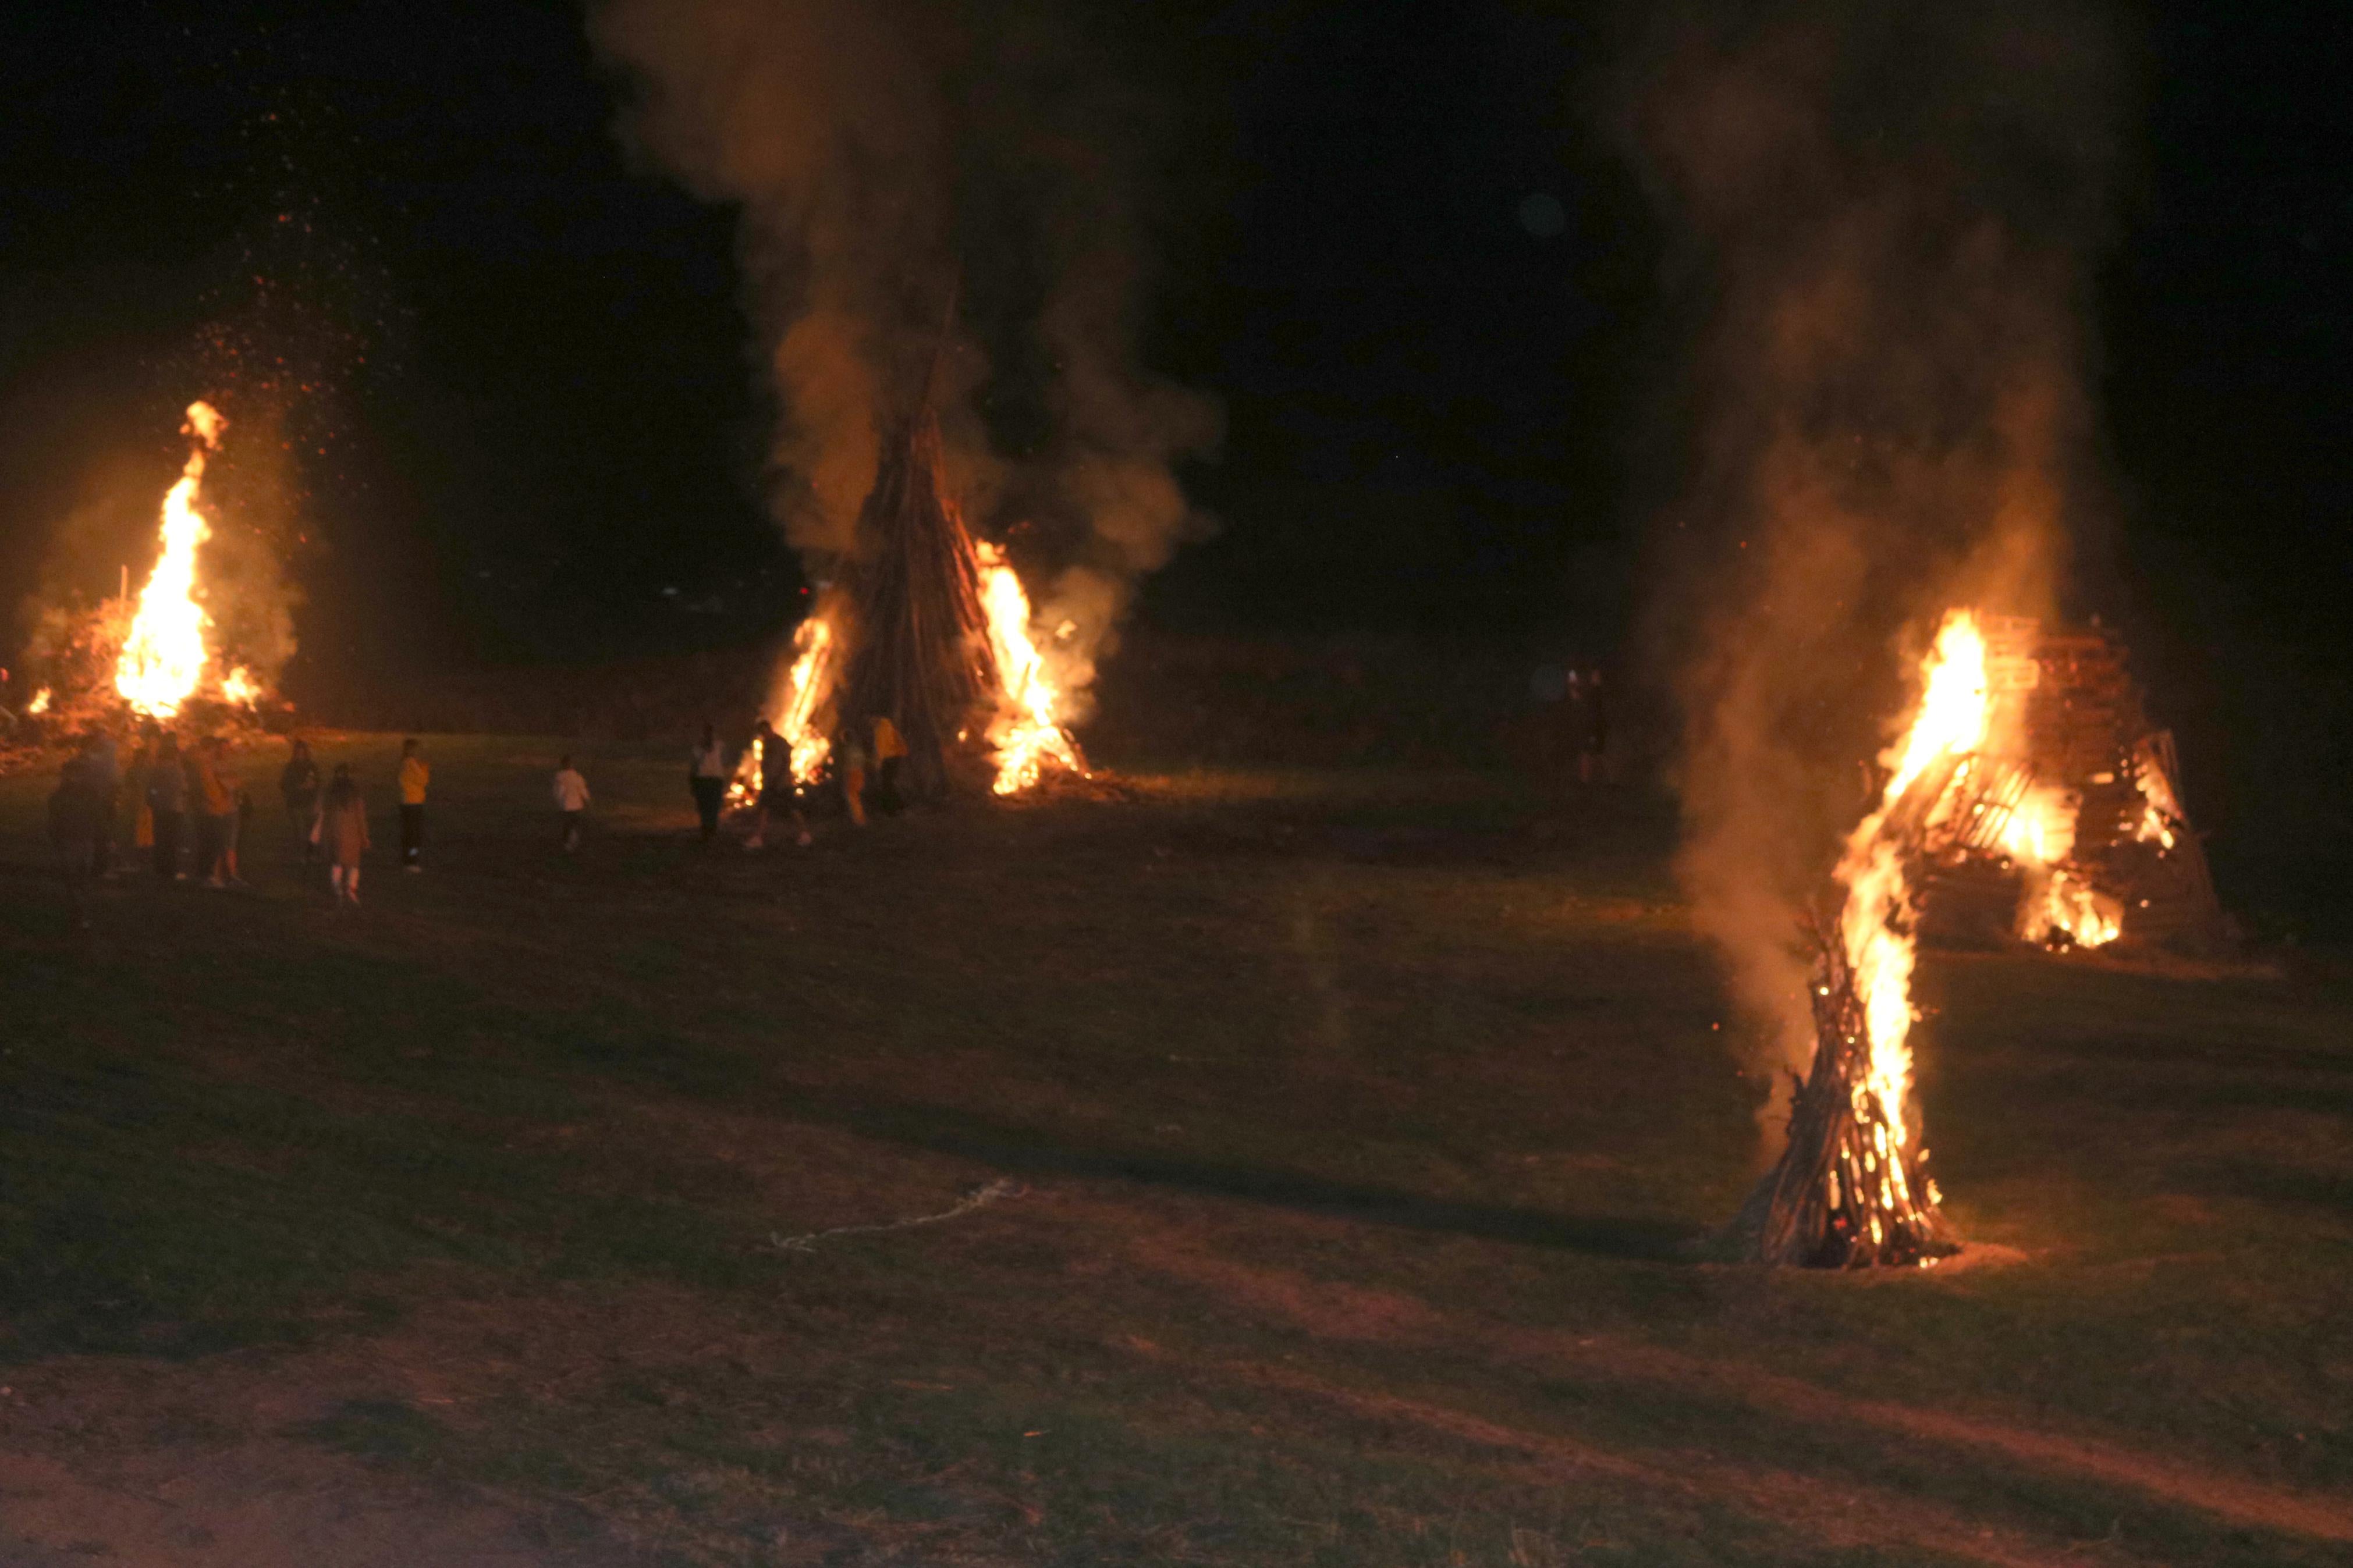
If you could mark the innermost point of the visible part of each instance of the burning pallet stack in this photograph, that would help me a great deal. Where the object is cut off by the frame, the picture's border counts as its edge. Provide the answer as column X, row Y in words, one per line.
column 2072, row 725
column 2026, row 797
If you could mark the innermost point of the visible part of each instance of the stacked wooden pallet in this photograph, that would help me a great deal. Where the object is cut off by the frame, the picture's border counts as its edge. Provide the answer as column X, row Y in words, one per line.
column 2067, row 712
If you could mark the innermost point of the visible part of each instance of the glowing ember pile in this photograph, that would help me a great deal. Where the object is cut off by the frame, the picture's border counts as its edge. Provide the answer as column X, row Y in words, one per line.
column 1026, row 735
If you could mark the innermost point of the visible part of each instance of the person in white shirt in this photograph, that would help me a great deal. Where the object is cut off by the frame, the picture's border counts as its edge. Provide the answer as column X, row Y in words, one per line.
column 707, row 777
column 571, row 802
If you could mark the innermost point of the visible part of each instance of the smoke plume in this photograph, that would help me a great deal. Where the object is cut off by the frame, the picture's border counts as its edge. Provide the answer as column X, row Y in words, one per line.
column 1881, row 220
column 915, row 172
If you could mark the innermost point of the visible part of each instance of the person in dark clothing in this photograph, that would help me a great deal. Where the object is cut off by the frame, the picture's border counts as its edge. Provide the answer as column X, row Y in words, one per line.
column 779, row 791
column 298, row 786
column 706, row 775
column 103, row 774
column 167, row 803
column 73, row 812
column 890, row 751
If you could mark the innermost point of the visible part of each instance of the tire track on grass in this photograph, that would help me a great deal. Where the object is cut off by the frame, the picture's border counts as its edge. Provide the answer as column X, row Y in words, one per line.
column 1334, row 1311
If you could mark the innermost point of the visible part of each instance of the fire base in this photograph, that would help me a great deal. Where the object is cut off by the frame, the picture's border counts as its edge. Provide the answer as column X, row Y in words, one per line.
column 1849, row 1192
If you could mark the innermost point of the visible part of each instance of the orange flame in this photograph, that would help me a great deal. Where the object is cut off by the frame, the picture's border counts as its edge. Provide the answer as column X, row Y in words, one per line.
column 1026, row 733
column 1955, row 712
column 1954, row 720
column 40, row 703
column 2160, row 810
column 2039, row 838
column 164, row 659
column 806, row 684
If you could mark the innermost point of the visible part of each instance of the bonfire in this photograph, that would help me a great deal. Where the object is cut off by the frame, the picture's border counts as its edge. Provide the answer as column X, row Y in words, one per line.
column 1981, row 784
column 154, row 654
column 932, row 630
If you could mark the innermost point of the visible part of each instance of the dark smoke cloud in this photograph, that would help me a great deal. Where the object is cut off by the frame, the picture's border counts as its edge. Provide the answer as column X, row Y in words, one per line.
column 887, row 156
column 1882, row 220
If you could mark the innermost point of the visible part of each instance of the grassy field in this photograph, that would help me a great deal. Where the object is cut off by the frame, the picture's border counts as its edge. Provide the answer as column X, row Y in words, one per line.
column 1360, row 1129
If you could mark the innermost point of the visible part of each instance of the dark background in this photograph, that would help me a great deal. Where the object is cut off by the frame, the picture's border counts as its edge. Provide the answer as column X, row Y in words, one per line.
column 527, row 426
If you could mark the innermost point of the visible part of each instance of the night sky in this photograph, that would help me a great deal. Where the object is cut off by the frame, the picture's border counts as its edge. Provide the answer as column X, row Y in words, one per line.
column 1395, row 249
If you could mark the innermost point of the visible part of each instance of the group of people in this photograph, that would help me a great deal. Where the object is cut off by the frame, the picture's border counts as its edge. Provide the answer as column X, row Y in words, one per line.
column 190, row 796
column 876, row 742
column 193, row 796
column 334, row 822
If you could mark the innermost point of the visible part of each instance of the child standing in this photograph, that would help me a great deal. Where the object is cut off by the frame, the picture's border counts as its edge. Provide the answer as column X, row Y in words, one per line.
column 707, row 777
column 343, row 829
column 416, row 773
column 298, row 784
column 571, row 802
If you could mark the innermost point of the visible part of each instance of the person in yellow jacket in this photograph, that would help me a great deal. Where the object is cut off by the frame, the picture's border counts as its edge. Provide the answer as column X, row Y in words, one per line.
column 890, row 751
column 416, row 773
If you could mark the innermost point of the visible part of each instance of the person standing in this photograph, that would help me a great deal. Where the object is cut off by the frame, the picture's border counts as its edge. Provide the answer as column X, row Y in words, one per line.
column 298, row 786
column 778, row 792
column 416, row 775
column 216, row 808
column 103, row 774
column 210, row 805
column 571, row 802
column 706, row 775
column 853, row 774
column 167, row 800
column 134, row 781
column 73, row 812
column 890, row 751
column 344, row 833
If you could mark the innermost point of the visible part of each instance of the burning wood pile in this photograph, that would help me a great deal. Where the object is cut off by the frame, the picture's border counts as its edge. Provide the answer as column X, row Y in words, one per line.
column 156, row 657
column 2066, row 829
column 932, row 631
column 2026, row 793
column 1852, row 1189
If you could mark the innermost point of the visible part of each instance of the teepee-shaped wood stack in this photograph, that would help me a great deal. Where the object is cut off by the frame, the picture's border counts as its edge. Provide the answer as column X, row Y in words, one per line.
column 918, row 640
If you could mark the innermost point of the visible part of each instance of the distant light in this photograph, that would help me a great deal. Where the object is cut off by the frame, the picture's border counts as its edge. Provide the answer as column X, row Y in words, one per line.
column 1542, row 215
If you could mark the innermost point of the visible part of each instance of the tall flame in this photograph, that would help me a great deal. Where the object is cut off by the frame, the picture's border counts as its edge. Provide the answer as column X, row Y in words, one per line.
column 163, row 661
column 1875, row 927
column 1954, row 720
column 1026, row 733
